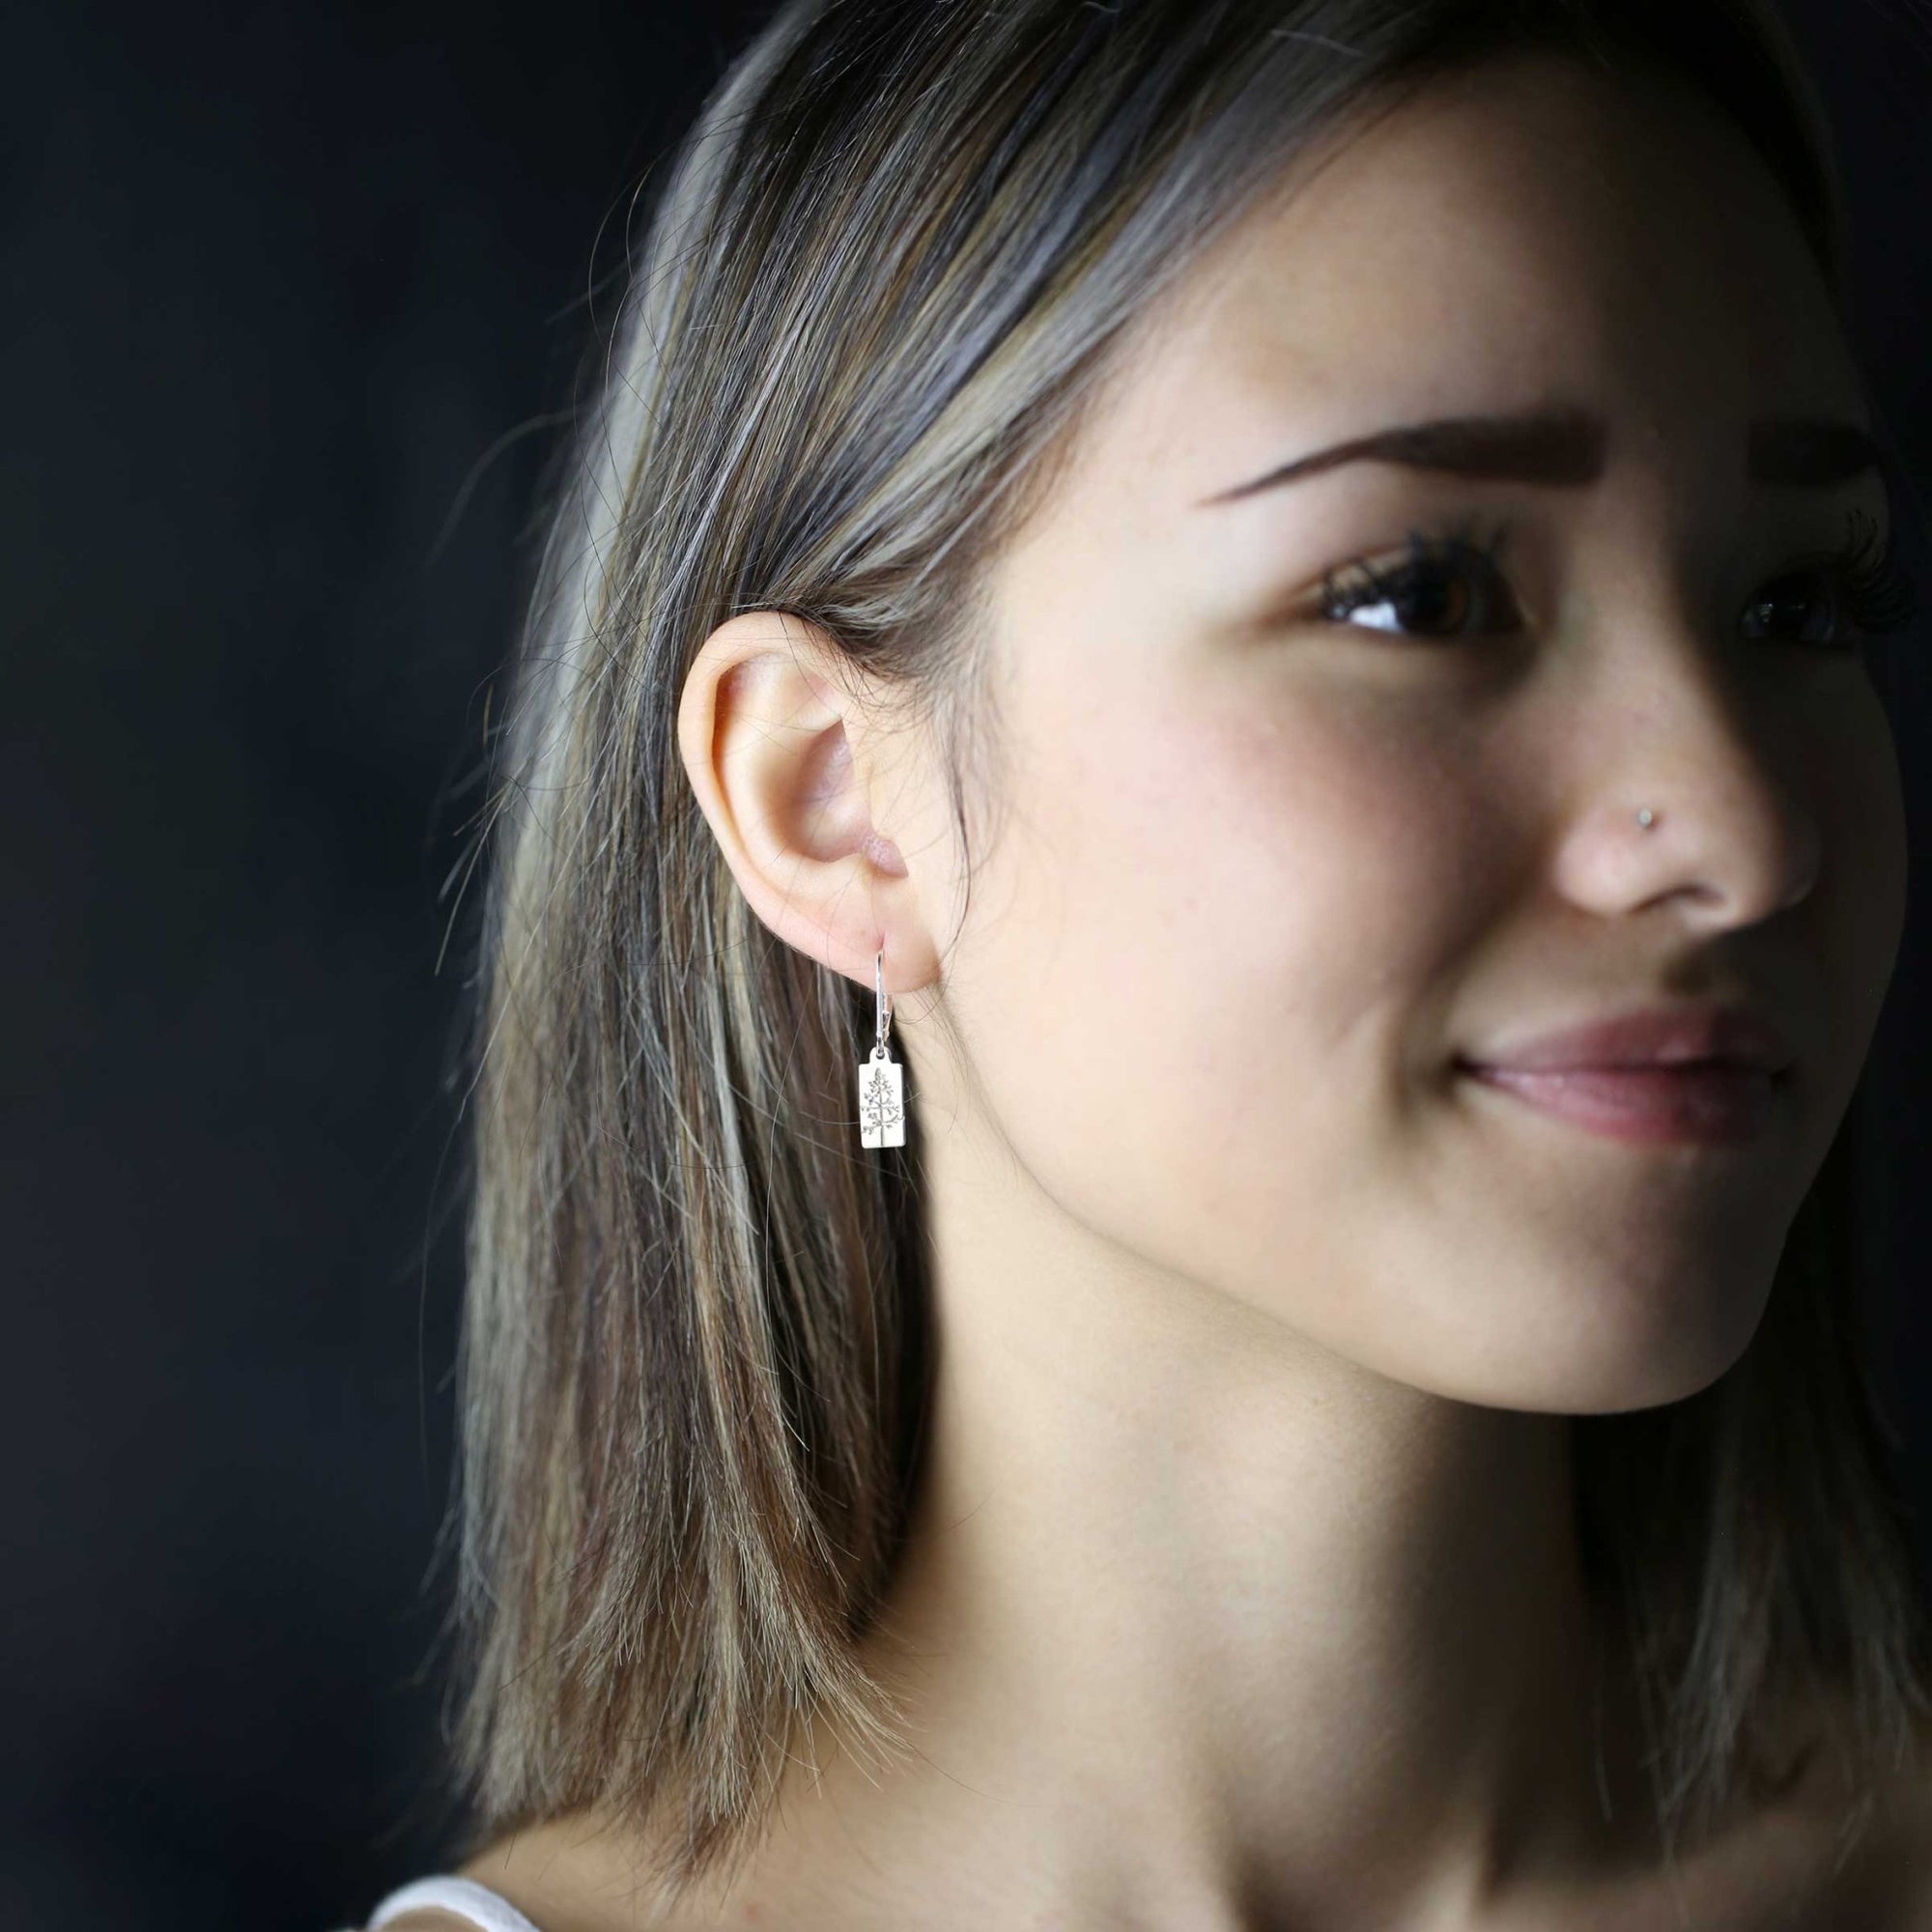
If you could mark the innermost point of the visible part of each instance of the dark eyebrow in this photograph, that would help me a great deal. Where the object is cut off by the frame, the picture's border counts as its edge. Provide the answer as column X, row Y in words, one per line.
column 1567, row 447
column 1546, row 446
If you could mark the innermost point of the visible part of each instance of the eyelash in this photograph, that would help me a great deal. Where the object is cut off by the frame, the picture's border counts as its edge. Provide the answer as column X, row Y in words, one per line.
column 1871, row 588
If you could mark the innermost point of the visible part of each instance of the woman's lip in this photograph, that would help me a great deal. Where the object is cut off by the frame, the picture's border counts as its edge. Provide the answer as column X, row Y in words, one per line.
column 1707, row 1102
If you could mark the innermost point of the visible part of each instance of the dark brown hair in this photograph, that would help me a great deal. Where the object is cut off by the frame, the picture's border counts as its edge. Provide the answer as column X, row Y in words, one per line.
column 882, row 273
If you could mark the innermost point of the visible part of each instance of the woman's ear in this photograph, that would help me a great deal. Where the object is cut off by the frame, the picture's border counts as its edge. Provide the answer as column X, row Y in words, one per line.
column 773, row 734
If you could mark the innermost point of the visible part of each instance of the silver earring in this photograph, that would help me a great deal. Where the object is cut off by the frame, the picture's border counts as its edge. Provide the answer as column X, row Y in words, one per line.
column 1646, row 818
column 881, row 1089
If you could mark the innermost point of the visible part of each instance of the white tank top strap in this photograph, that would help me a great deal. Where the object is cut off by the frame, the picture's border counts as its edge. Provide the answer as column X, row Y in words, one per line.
column 463, row 1897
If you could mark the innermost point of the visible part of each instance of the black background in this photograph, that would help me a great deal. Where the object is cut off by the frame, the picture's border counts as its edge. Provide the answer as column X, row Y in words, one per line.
column 291, row 296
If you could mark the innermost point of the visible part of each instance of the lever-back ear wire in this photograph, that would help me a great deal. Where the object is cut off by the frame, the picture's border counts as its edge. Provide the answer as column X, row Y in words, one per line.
column 881, row 1080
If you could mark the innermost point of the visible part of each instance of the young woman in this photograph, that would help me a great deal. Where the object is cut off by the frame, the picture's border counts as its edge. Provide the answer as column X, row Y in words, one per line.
column 1194, row 861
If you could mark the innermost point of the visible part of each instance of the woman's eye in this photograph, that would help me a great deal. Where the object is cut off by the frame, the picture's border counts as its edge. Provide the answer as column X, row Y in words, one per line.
column 1449, row 587
column 1798, row 607
column 1864, row 591
column 1444, row 588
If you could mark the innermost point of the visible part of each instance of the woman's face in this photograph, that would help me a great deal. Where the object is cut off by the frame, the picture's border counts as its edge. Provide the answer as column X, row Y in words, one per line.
column 1266, row 871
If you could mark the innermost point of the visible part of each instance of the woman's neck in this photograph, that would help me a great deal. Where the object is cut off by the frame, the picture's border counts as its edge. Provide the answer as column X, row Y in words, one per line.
column 1198, row 1619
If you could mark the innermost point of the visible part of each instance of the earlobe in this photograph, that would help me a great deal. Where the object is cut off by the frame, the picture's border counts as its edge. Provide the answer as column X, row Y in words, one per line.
column 765, row 728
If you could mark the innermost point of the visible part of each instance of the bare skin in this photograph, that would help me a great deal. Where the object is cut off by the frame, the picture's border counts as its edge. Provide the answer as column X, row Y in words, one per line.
column 1244, row 1591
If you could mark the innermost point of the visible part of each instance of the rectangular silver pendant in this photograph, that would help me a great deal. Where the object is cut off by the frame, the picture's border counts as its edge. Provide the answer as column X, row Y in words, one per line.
column 881, row 1108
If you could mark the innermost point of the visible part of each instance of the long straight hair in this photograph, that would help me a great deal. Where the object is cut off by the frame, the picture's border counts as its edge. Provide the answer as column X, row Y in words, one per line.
column 882, row 273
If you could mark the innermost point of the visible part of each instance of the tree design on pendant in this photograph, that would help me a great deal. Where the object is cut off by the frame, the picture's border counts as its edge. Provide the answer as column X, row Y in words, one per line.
column 881, row 1118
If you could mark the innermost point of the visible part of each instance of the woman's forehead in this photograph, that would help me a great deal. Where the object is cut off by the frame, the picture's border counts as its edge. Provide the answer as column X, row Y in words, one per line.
column 1515, row 233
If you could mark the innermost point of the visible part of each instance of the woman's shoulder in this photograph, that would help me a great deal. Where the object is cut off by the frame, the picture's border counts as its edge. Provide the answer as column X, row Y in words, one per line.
column 584, row 1872
column 1873, row 1839
column 577, row 1873
column 1902, row 1833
